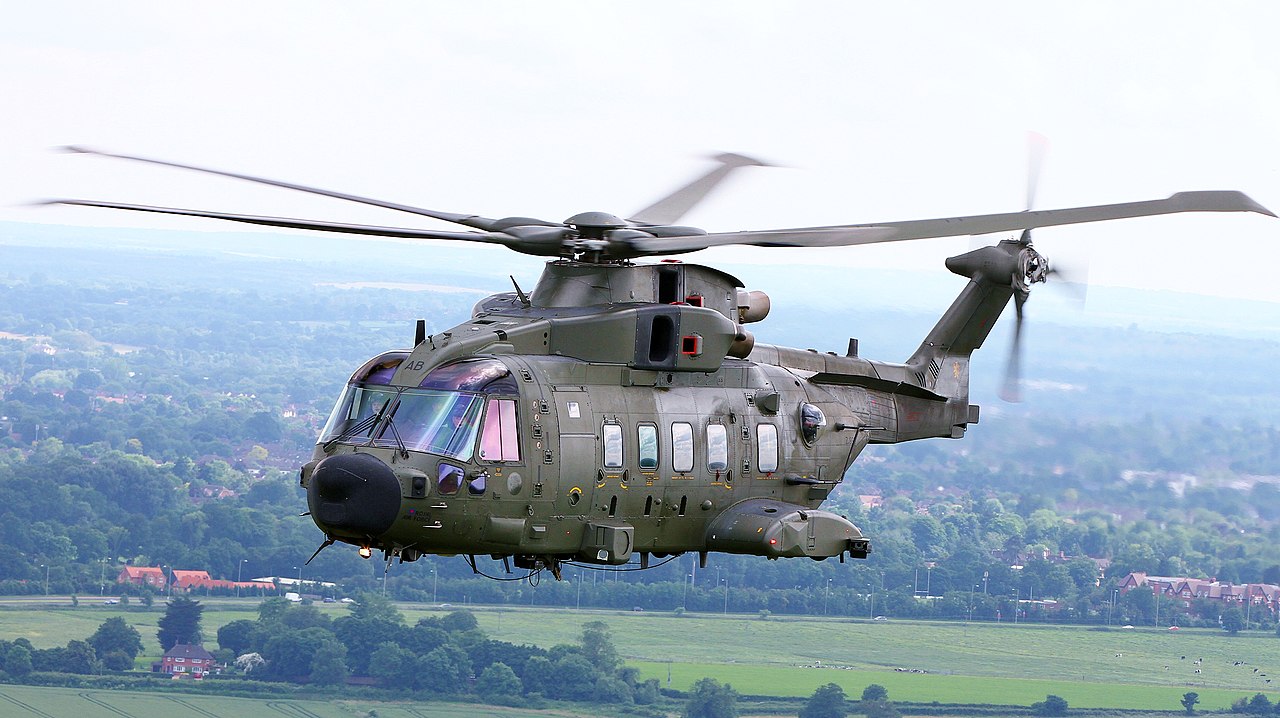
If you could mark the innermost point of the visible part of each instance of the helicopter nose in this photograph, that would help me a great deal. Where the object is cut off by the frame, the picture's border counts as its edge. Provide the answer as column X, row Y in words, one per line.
column 354, row 494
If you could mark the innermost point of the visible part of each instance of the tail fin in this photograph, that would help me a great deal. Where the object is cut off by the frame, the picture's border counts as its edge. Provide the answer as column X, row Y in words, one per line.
column 941, row 364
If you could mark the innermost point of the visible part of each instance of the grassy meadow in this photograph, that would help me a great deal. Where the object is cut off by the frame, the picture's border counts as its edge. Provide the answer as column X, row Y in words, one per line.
column 59, row 702
column 917, row 661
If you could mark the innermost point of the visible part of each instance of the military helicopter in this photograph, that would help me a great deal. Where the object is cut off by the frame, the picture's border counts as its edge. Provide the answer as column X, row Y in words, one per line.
column 622, row 408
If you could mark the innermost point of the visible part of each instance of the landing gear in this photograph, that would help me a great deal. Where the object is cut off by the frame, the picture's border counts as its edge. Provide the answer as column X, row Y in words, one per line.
column 534, row 563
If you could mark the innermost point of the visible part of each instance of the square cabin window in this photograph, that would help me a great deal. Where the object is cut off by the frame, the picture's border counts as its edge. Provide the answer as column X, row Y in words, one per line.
column 612, row 446
column 766, row 448
column 500, row 437
column 681, row 447
column 647, row 438
column 717, row 447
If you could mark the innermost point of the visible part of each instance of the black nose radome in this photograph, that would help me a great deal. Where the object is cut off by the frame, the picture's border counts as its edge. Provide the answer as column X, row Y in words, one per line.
column 354, row 494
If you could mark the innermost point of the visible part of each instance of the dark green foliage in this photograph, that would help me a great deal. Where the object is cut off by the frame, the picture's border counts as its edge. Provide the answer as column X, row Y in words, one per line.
column 79, row 657
column 328, row 664
column 392, row 665
column 237, row 636
column 709, row 699
column 498, row 681
column 116, row 636
column 489, row 652
column 1233, row 620
column 537, row 676
column 612, row 690
column 1051, row 706
column 880, row 709
column 573, row 678
column 1189, row 701
column 362, row 634
column 303, row 616
column 1259, row 705
column 456, row 621
column 180, row 623
column 18, row 660
column 826, row 702
column 875, row 702
column 444, row 671
column 117, row 661
column 290, row 654
column 875, row 692
column 598, row 648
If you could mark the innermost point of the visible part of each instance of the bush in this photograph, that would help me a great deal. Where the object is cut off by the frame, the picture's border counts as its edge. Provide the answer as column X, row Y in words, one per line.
column 1051, row 706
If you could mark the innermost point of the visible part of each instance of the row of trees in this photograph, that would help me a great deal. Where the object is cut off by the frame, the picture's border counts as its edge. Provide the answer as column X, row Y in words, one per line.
column 439, row 656
column 113, row 647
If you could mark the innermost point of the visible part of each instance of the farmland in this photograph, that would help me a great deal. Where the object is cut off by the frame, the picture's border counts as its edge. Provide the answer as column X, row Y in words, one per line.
column 917, row 661
column 58, row 702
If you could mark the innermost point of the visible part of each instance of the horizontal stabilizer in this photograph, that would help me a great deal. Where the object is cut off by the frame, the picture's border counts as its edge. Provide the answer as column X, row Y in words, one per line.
column 872, row 382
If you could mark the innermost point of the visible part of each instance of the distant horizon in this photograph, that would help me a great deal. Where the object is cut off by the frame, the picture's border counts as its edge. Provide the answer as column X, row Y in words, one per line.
column 913, row 291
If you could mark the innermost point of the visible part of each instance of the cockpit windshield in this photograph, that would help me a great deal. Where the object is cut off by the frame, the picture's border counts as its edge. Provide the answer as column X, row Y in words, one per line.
column 442, row 419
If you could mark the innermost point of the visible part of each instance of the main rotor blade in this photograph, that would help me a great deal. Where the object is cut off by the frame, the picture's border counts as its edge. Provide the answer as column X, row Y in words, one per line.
column 1037, row 145
column 366, row 229
column 853, row 234
column 671, row 208
column 468, row 220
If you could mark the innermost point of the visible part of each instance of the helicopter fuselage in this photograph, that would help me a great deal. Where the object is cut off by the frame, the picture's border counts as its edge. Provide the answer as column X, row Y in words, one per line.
column 594, row 421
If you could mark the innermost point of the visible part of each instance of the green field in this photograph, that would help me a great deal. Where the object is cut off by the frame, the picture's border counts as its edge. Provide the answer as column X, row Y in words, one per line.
column 24, row 701
column 953, row 662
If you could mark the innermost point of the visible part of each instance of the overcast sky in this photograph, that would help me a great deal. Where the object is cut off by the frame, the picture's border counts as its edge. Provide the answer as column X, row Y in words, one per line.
column 877, row 111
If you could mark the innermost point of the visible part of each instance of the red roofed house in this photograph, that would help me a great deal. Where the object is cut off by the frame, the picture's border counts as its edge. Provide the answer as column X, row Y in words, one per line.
column 187, row 660
column 184, row 580
column 142, row 576
column 1187, row 589
column 187, row 581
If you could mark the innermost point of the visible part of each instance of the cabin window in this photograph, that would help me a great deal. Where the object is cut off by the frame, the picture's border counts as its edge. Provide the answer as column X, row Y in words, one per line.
column 811, row 420
column 647, row 438
column 450, row 479
column 767, row 448
column 717, row 447
column 681, row 447
column 500, row 439
column 612, row 446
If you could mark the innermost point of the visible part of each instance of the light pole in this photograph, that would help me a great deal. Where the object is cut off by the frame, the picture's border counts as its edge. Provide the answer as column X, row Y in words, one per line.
column 984, row 582
column 684, row 595
column 1016, row 595
column 102, row 578
column 726, row 595
column 45, row 566
column 871, row 594
column 239, row 567
column 826, row 596
column 579, row 599
column 435, row 581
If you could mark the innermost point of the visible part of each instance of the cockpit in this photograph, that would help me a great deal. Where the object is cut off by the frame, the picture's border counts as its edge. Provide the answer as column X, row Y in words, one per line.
column 442, row 416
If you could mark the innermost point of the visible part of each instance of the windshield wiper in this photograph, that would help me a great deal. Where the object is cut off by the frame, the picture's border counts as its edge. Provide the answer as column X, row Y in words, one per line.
column 364, row 424
column 391, row 424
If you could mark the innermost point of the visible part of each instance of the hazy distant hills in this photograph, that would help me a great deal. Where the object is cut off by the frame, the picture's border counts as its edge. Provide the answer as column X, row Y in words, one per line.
column 1128, row 354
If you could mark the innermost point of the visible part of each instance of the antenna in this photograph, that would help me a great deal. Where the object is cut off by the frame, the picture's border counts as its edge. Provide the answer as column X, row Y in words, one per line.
column 524, row 298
